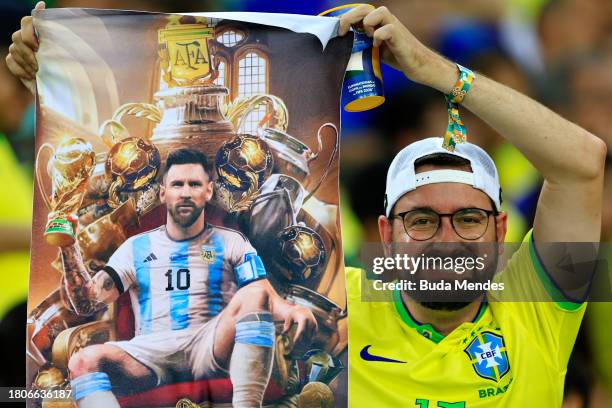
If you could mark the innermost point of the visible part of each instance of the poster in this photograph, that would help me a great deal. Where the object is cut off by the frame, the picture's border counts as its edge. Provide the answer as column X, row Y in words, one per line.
column 128, row 303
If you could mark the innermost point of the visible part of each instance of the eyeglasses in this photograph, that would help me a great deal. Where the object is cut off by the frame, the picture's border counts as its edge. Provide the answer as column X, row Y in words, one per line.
column 468, row 223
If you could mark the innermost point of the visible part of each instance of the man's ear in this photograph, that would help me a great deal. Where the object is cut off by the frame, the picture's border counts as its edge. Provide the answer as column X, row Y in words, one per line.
column 162, row 191
column 209, row 190
column 501, row 228
column 386, row 233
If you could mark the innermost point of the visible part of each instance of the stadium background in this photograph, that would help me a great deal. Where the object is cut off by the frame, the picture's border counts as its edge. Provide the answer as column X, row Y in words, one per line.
column 557, row 51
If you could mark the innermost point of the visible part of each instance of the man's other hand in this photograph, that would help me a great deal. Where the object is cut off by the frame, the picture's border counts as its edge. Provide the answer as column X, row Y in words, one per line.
column 21, row 59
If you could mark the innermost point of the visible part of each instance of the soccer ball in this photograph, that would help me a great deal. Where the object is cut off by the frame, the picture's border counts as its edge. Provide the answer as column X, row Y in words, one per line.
column 243, row 161
column 133, row 162
column 316, row 395
column 49, row 378
column 303, row 253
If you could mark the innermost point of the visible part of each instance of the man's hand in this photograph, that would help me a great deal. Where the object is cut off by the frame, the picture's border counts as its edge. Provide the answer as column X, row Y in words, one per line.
column 21, row 59
column 398, row 46
column 306, row 324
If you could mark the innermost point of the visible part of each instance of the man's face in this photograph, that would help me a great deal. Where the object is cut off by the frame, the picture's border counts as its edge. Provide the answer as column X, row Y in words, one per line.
column 445, row 198
column 185, row 192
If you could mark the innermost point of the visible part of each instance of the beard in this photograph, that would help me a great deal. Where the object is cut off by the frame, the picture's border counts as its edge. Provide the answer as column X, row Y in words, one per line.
column 444, row 299
column 445, row 306
column 185, row 213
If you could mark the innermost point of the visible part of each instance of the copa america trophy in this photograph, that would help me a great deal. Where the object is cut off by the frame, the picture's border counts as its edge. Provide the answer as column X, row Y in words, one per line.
column 69, row 168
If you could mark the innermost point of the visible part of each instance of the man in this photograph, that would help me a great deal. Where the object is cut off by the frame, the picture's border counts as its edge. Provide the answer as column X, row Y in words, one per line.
column 408, row 352
column 200, row 297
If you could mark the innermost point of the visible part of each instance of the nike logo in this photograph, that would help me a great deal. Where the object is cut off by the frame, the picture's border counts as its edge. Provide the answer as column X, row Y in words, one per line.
column 365, row 354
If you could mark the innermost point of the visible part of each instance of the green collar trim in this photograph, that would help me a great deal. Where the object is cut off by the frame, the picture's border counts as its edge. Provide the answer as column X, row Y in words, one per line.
column 426, row 329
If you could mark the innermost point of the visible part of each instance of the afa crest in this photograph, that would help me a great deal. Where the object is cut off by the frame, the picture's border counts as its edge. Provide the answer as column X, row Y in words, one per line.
column 488, row 355
column 184, row 53
column 208, row 253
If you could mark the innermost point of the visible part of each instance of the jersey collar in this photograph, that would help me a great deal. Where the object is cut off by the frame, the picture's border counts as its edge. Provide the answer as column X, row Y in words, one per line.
column 207, row 226
column 426, row 329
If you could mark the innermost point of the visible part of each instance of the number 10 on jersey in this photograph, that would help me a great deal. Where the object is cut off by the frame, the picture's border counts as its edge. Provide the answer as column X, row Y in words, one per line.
column 178, row 279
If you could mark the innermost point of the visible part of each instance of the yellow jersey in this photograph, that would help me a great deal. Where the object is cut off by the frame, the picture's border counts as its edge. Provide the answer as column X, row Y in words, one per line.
column 514, row 354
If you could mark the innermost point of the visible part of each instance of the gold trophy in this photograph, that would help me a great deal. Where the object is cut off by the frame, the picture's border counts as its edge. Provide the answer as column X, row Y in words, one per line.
column 69, row 168
column 188, row 97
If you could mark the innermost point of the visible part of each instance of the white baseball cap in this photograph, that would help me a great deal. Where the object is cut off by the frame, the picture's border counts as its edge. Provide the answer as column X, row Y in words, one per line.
column 401, row 177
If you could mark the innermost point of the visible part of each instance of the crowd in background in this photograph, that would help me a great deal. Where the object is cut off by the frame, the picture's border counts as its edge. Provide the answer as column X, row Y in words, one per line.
column 556, row 51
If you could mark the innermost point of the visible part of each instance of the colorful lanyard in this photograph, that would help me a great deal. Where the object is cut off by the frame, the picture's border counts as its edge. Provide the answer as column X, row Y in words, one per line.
column 456, row 133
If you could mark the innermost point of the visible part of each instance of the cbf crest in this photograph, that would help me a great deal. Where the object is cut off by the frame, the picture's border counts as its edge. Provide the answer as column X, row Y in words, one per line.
column 488, row 355
column 184, row 53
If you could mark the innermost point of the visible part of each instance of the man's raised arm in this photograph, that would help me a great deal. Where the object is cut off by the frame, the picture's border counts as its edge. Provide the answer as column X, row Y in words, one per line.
column 570, row 159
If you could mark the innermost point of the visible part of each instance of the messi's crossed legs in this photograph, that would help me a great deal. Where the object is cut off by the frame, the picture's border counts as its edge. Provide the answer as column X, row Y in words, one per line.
column 244, row 342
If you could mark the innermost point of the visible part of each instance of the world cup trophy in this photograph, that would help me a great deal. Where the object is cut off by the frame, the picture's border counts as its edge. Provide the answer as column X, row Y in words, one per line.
column 69, row 169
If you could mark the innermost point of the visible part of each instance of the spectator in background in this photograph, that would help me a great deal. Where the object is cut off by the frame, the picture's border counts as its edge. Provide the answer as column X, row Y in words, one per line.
column 570, row 27
column 588, row 84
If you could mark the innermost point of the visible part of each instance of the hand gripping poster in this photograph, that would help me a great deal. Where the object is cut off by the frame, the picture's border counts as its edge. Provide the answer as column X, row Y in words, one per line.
column 186, row 245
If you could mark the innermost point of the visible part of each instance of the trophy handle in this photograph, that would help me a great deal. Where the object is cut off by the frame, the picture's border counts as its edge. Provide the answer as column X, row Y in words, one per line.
column 111, row 131
column 312, row 155
column 113, row 194
column 39, row 178
column 238, row 110
column 331, row 157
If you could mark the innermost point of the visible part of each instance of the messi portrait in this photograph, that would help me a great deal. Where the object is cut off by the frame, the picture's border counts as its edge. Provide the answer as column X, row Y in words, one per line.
column 186, row 247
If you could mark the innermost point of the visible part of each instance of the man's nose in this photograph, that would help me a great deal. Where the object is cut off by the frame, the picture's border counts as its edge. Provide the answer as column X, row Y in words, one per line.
column 186, row 191
column 446, row 232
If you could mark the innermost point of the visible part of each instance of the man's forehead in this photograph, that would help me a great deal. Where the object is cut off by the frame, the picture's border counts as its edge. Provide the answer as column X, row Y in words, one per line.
column 186, row 171
column 443, row 197
column 421, row 168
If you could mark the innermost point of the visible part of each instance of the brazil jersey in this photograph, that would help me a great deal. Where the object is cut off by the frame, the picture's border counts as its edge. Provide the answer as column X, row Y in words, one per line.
column 176, row 285
column 513, row 354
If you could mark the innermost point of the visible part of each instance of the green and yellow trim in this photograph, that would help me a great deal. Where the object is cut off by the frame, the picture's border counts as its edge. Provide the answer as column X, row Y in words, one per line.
column 549, row 285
